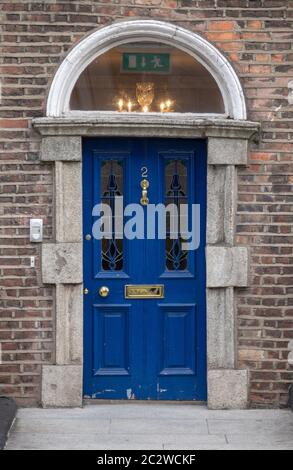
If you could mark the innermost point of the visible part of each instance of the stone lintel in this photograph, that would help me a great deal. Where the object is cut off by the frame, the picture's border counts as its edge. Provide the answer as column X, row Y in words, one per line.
column 144, row 125
column 228, row 389
column 62, row 263
column 227, row 266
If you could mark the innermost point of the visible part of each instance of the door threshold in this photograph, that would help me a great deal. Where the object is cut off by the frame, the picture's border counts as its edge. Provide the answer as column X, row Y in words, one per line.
column 98, row 401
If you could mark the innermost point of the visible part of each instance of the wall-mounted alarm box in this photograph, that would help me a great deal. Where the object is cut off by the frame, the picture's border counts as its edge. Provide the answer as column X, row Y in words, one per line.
column 36, row 230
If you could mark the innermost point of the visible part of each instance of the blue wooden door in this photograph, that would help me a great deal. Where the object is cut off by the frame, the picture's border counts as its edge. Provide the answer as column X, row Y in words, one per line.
column 144, row 348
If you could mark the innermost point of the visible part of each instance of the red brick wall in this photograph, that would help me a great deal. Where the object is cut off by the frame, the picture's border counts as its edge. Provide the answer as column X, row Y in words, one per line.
column 256, row 35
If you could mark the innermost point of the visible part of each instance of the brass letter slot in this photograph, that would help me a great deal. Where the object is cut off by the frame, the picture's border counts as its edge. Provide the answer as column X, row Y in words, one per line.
column 144, row 291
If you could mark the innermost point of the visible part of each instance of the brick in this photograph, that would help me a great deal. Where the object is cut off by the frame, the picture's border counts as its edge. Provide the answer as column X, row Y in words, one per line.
column 222, row 36
column 260, row 69
column 254, row 24
column 222, row 26
column 14, row 123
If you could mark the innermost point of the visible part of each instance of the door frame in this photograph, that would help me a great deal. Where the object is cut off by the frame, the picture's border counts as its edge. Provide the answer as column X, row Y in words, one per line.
column 226, row 263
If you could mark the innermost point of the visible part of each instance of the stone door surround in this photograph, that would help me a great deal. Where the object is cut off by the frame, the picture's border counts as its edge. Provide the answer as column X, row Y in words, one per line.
column 227, row 265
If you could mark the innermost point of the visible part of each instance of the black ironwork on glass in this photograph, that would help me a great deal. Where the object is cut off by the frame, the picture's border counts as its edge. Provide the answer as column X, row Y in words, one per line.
column 176, row 194
column 112, row 186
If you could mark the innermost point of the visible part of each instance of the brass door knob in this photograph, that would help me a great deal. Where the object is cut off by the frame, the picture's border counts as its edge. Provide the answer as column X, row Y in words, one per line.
column 104, row 291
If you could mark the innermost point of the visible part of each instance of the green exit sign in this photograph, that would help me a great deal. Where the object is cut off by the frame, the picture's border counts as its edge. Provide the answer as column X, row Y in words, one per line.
column 145, row 62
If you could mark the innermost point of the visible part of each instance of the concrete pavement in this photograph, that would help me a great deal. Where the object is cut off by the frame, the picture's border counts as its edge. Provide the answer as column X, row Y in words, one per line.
column 149, row 426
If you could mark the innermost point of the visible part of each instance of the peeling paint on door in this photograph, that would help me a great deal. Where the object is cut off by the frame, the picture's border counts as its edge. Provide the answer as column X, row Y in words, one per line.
column 130, row 394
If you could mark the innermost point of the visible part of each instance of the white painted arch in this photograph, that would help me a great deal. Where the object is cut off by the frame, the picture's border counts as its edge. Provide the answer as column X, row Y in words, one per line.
column 101, row 40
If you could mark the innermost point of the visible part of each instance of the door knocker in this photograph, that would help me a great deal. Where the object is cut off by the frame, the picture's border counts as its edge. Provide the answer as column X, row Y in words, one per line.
column 144, row 200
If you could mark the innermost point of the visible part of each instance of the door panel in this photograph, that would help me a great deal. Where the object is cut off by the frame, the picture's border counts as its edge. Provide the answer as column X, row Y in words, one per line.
column 144, row 348
column 178, row 333
column 111, row 346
